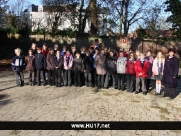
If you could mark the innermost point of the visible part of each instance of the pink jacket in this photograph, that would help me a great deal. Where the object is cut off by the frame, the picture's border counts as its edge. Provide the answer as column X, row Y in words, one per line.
column 155, row 67
column 70, row 62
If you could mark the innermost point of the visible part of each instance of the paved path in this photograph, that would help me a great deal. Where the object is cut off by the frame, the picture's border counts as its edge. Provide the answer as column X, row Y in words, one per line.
column 41, row 103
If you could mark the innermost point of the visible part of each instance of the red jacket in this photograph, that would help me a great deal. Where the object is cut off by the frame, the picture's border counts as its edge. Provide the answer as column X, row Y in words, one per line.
column 45, row 52
column 130, row 68
column 139, row 69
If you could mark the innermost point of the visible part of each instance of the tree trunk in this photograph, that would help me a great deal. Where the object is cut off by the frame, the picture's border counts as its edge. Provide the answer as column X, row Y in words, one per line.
column 121, row 17
column 84, row 21
column 126, row 25
column 80, row 16
column 93, row 16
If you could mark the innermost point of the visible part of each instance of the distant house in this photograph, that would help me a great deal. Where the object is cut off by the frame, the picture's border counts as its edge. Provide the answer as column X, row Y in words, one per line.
column 43, row 17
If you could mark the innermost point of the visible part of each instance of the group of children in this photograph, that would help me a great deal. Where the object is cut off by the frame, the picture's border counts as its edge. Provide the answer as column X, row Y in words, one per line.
column 98, row 67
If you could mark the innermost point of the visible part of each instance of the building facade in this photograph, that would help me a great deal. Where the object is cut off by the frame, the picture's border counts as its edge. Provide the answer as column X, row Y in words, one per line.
column 41, row 17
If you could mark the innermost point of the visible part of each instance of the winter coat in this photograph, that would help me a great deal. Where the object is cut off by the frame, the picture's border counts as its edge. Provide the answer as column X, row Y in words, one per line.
column 50, row 62
column 139, row 69
column 18, row 63
column 65, row 62
column 77, row 64
column 73, row 54
column 150, row 60
column 171, row 69
column 100, row 63
column 82, row 55
column 88, row 64
column 30, row 63
column 40, row 61
column 34, row 52
column 155, row 67
column 121, row 65
column 111, row 64
column 130, row 68
column 58, row 62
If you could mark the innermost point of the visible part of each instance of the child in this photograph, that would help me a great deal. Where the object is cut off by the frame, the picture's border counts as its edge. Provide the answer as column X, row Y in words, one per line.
column 111, row 69
column 18, row 65
column 149, row 80
column 40, row 65
column 58, row 68
column 141, row 69
column 68, row 62
column 130, row 71
column 73, row 49
column 50, row 67
column 77, row 68
column 55, row 48
column 30, row 66
column 83, row 55
column 87, row 67
column 64, row 49
column 94, row 73
column 121, row 70
column 44, row 49
column 157, row 69
column 33, row 47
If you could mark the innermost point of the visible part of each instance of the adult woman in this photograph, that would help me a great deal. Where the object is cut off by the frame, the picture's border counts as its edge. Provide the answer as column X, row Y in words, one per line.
column 130, row 71
column 157, row 69
column 170, row 74
column 100, row 63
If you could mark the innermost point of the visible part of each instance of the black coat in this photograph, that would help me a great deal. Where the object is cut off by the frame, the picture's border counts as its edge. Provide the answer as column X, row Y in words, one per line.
column 40, row 61
column 171, row 69
column 88, row 64
column 111, row 64
column 77, row 64
column 82, row 55
column 73, row 54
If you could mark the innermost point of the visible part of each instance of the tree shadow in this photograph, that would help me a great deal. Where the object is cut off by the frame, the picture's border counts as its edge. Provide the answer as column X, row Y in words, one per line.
column 7, row 88
column 4, row 101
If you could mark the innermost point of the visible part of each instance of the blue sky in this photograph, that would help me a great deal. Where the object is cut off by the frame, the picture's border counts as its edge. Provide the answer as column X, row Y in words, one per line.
column 36, row 2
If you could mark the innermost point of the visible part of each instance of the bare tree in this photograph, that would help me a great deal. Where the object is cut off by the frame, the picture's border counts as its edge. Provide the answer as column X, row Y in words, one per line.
column 3, row 8
column 93, row 16
column 16, row 8
column 127, row 12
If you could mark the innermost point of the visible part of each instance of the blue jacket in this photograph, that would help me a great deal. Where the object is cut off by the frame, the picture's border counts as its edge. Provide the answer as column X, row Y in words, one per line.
column 18, row 63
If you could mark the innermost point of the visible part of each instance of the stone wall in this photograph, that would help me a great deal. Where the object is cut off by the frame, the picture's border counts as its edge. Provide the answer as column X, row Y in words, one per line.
column 14, row 41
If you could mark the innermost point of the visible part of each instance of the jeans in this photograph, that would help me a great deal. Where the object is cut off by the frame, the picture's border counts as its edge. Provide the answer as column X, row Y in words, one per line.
column 51, row 77
column 42, row 74
column 77, row 78
column 31, row 77
column 88, row 78
column 67, row 77
column 58, row 77
column 130, row 82
column 106, row 84
column 19, row 75
column 121, row 81
column 100, row 80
